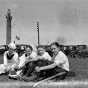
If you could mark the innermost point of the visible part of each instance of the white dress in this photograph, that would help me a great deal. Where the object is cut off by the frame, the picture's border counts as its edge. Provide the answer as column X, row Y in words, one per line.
column 9, row 63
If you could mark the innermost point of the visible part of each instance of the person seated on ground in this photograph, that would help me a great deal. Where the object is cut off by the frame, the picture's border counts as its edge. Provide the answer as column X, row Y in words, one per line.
column 10, row 58
column 23, row 62
column 60, row 63
column 42, row 54
column 42, row 57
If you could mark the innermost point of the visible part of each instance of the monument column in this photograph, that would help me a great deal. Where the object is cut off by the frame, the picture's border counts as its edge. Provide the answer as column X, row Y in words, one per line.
column 8, row 26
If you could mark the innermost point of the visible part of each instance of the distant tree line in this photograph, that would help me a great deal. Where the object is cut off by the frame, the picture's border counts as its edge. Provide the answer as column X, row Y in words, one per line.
column 79, row 51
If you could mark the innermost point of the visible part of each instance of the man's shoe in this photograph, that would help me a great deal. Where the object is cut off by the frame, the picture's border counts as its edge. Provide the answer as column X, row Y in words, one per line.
column 12, row 77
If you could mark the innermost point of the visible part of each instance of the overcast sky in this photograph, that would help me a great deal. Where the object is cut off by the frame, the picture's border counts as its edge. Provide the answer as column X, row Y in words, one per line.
column 66, row 19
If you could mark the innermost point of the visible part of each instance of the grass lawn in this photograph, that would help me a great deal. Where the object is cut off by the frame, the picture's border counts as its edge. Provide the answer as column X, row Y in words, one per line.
column 80, row 67
column 77, row 65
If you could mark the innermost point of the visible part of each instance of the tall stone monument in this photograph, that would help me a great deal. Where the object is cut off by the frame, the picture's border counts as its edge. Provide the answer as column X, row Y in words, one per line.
column 8, row 26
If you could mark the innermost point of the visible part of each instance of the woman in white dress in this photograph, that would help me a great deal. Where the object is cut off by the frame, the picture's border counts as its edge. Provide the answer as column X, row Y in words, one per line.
column 10, row 59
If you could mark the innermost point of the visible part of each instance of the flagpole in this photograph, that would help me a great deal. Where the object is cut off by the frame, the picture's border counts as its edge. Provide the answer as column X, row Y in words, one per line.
column 38, row 32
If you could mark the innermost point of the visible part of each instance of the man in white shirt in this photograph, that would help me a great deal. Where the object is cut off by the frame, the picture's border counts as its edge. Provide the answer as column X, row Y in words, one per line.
column 60, row 62
column 29, row 55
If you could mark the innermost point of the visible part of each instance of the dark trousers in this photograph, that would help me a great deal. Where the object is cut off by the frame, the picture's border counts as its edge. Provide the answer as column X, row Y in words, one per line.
column 54, row 71
column 30, row 68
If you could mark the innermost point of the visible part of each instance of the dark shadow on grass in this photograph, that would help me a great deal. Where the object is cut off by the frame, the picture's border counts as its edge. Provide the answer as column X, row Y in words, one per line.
column 71, row 74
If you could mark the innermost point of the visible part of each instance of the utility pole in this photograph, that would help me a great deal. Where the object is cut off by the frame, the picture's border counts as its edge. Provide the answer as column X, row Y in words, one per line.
column 38, row 32
column 8, row 26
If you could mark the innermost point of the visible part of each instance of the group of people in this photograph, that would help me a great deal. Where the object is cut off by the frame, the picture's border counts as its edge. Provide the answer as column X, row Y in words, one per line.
column 34, row 65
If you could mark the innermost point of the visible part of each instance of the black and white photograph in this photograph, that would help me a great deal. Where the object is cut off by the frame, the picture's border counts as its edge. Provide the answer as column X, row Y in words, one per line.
column 43, row 43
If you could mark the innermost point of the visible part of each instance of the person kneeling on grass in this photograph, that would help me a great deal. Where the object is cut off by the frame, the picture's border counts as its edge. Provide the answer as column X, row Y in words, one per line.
column 10, row 59
column 60, row 63
column 23, row 60
column 42, row 58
